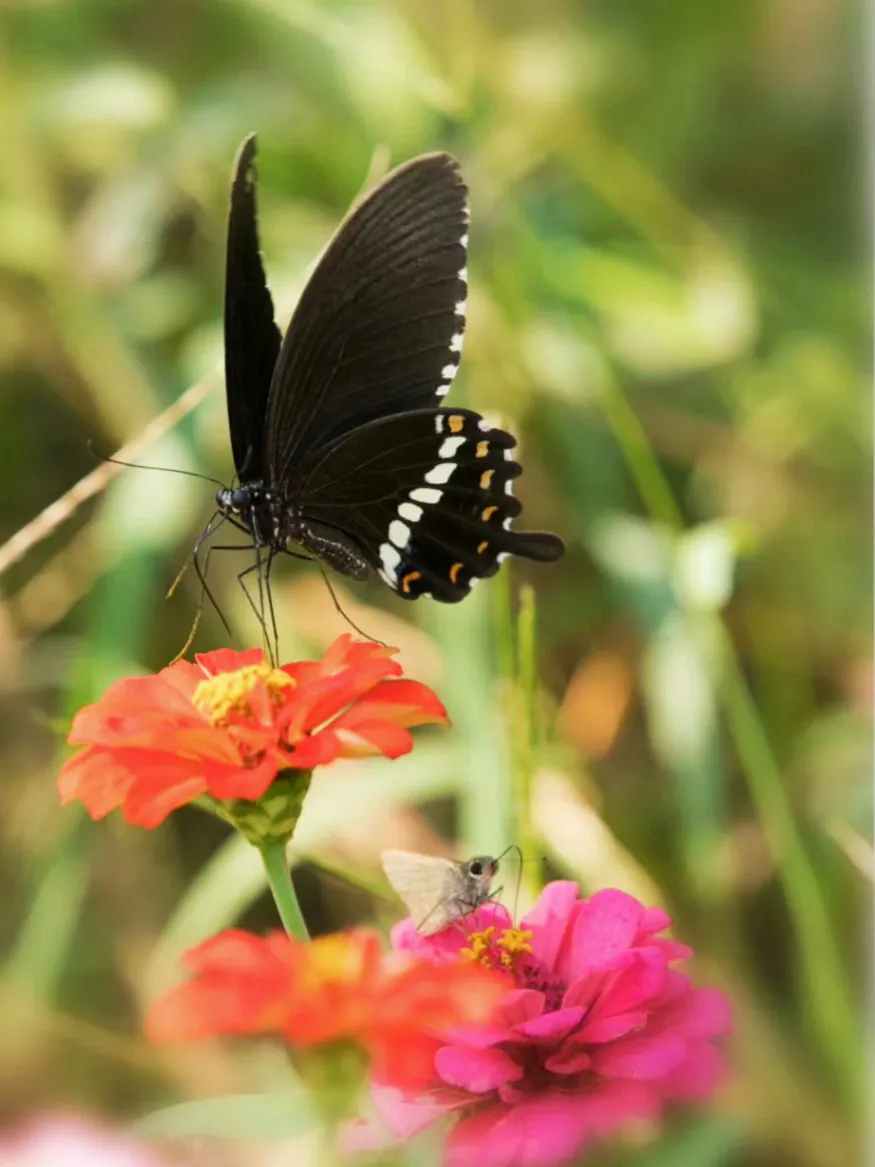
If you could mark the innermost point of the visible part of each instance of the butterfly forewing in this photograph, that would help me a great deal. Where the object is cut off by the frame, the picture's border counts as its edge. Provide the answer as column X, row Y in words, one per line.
column 378, row 329
column 426, row 884
column 252, row 339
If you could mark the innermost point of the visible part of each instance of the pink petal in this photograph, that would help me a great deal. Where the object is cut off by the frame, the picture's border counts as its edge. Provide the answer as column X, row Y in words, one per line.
column 640, row 981
column 448, row 943
column 521, row 1005
column 653, row 920
column 640, row 1057
column 672, row 950
column 548, row 919
column 700, row 1013
column 702, row 1070
column 406, row 1116
column 608, row 1029
column 551, row 1026
column 546, row 1131
column 604, row 927
column 569, row 1060
column 476, row 1070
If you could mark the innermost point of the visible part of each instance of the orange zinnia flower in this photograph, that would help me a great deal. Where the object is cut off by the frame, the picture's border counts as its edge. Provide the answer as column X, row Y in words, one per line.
column 228, row 724
column 338, row 988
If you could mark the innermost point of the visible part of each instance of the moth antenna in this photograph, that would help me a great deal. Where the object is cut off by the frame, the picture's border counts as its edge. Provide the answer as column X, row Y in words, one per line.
column 163, row 469
column 350, row 622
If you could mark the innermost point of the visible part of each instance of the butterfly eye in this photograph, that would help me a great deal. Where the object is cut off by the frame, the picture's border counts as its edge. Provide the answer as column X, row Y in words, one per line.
column 475, row 867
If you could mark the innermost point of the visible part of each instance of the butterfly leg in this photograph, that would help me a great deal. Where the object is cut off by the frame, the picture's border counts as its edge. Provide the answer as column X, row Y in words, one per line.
column 271, row 555
column 257, row 612
column 201, row 572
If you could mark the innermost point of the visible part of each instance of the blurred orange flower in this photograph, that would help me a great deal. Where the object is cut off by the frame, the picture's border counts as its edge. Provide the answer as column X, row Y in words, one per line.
column 229, row 723
column 336, row 988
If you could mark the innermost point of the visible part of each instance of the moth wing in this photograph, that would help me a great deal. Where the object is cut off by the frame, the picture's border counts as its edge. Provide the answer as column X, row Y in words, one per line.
column 427, row 885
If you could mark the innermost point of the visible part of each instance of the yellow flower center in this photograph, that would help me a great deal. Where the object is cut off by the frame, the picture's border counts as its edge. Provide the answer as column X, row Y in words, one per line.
column 496, row 949
column 227, row 693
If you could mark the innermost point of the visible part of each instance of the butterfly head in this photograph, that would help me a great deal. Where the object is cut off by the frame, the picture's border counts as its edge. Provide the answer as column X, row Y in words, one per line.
column 479, row 873
column 237, row 501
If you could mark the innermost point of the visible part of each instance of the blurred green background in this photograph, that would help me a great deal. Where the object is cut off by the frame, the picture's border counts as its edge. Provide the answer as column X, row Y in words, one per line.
column 670, row 305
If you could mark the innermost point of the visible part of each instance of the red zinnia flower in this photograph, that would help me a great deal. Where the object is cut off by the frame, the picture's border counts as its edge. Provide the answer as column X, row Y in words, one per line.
column 229, row 723
column 399, row 1010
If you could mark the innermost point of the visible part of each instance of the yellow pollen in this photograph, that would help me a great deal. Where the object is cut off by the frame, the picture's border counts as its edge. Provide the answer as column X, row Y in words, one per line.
column 515, row 942
column 220, row 696
column 481, row 946
column 496, row 949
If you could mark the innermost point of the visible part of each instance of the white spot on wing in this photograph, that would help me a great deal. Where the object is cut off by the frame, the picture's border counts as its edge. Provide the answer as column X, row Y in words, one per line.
column 448, row 372
column 508, row 487
column 410, row 511
column 425, row 495
column 456, row 344
column 460, row 309
column 439, row 474
column 484, row 425
column 463, row 273
column 442, row 390
column 449, row 447
column 506, row 523
column 387, row 579
column 399, row 534
column 439, row 424
column 464, row 240
column 389, row 557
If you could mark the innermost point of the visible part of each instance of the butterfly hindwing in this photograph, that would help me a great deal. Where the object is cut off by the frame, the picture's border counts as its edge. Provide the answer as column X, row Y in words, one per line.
column 427, row 496
column 252, row 339
column 378, row 329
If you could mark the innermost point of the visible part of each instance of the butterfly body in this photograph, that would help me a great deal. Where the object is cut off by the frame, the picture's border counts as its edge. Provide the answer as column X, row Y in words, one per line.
column 340, row 438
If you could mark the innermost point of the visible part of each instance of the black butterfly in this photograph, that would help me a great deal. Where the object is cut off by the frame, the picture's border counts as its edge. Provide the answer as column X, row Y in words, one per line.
column 340, row 440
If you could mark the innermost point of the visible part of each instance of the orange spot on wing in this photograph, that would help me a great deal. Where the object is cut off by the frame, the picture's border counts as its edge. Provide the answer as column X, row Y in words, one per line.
column 454, row 571
column 488, row 512
column 485, row 479
column 457, row 424
column 408, row 580
column 482, row 449
column 482, row 547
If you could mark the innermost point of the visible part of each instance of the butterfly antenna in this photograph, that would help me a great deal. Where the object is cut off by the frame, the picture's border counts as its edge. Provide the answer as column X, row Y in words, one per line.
column 350, row 622
column 163, row 469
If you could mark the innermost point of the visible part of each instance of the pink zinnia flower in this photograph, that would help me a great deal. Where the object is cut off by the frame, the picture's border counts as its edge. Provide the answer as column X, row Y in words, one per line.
column 69, row 1141
column 596, row 1030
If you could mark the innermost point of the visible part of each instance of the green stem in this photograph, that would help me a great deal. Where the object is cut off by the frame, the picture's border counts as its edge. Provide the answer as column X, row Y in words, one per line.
column 527, row 737
column 279, row 879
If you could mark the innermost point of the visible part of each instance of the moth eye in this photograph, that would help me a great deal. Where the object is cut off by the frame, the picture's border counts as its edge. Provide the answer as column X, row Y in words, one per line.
column 475, row 868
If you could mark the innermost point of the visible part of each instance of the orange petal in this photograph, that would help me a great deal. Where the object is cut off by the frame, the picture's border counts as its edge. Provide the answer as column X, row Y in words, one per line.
column 371, row 737
column 239, row 781
column 227, row 660
column 403, row 702
column 241, row 985
column 97, row 778
column 162, row 782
